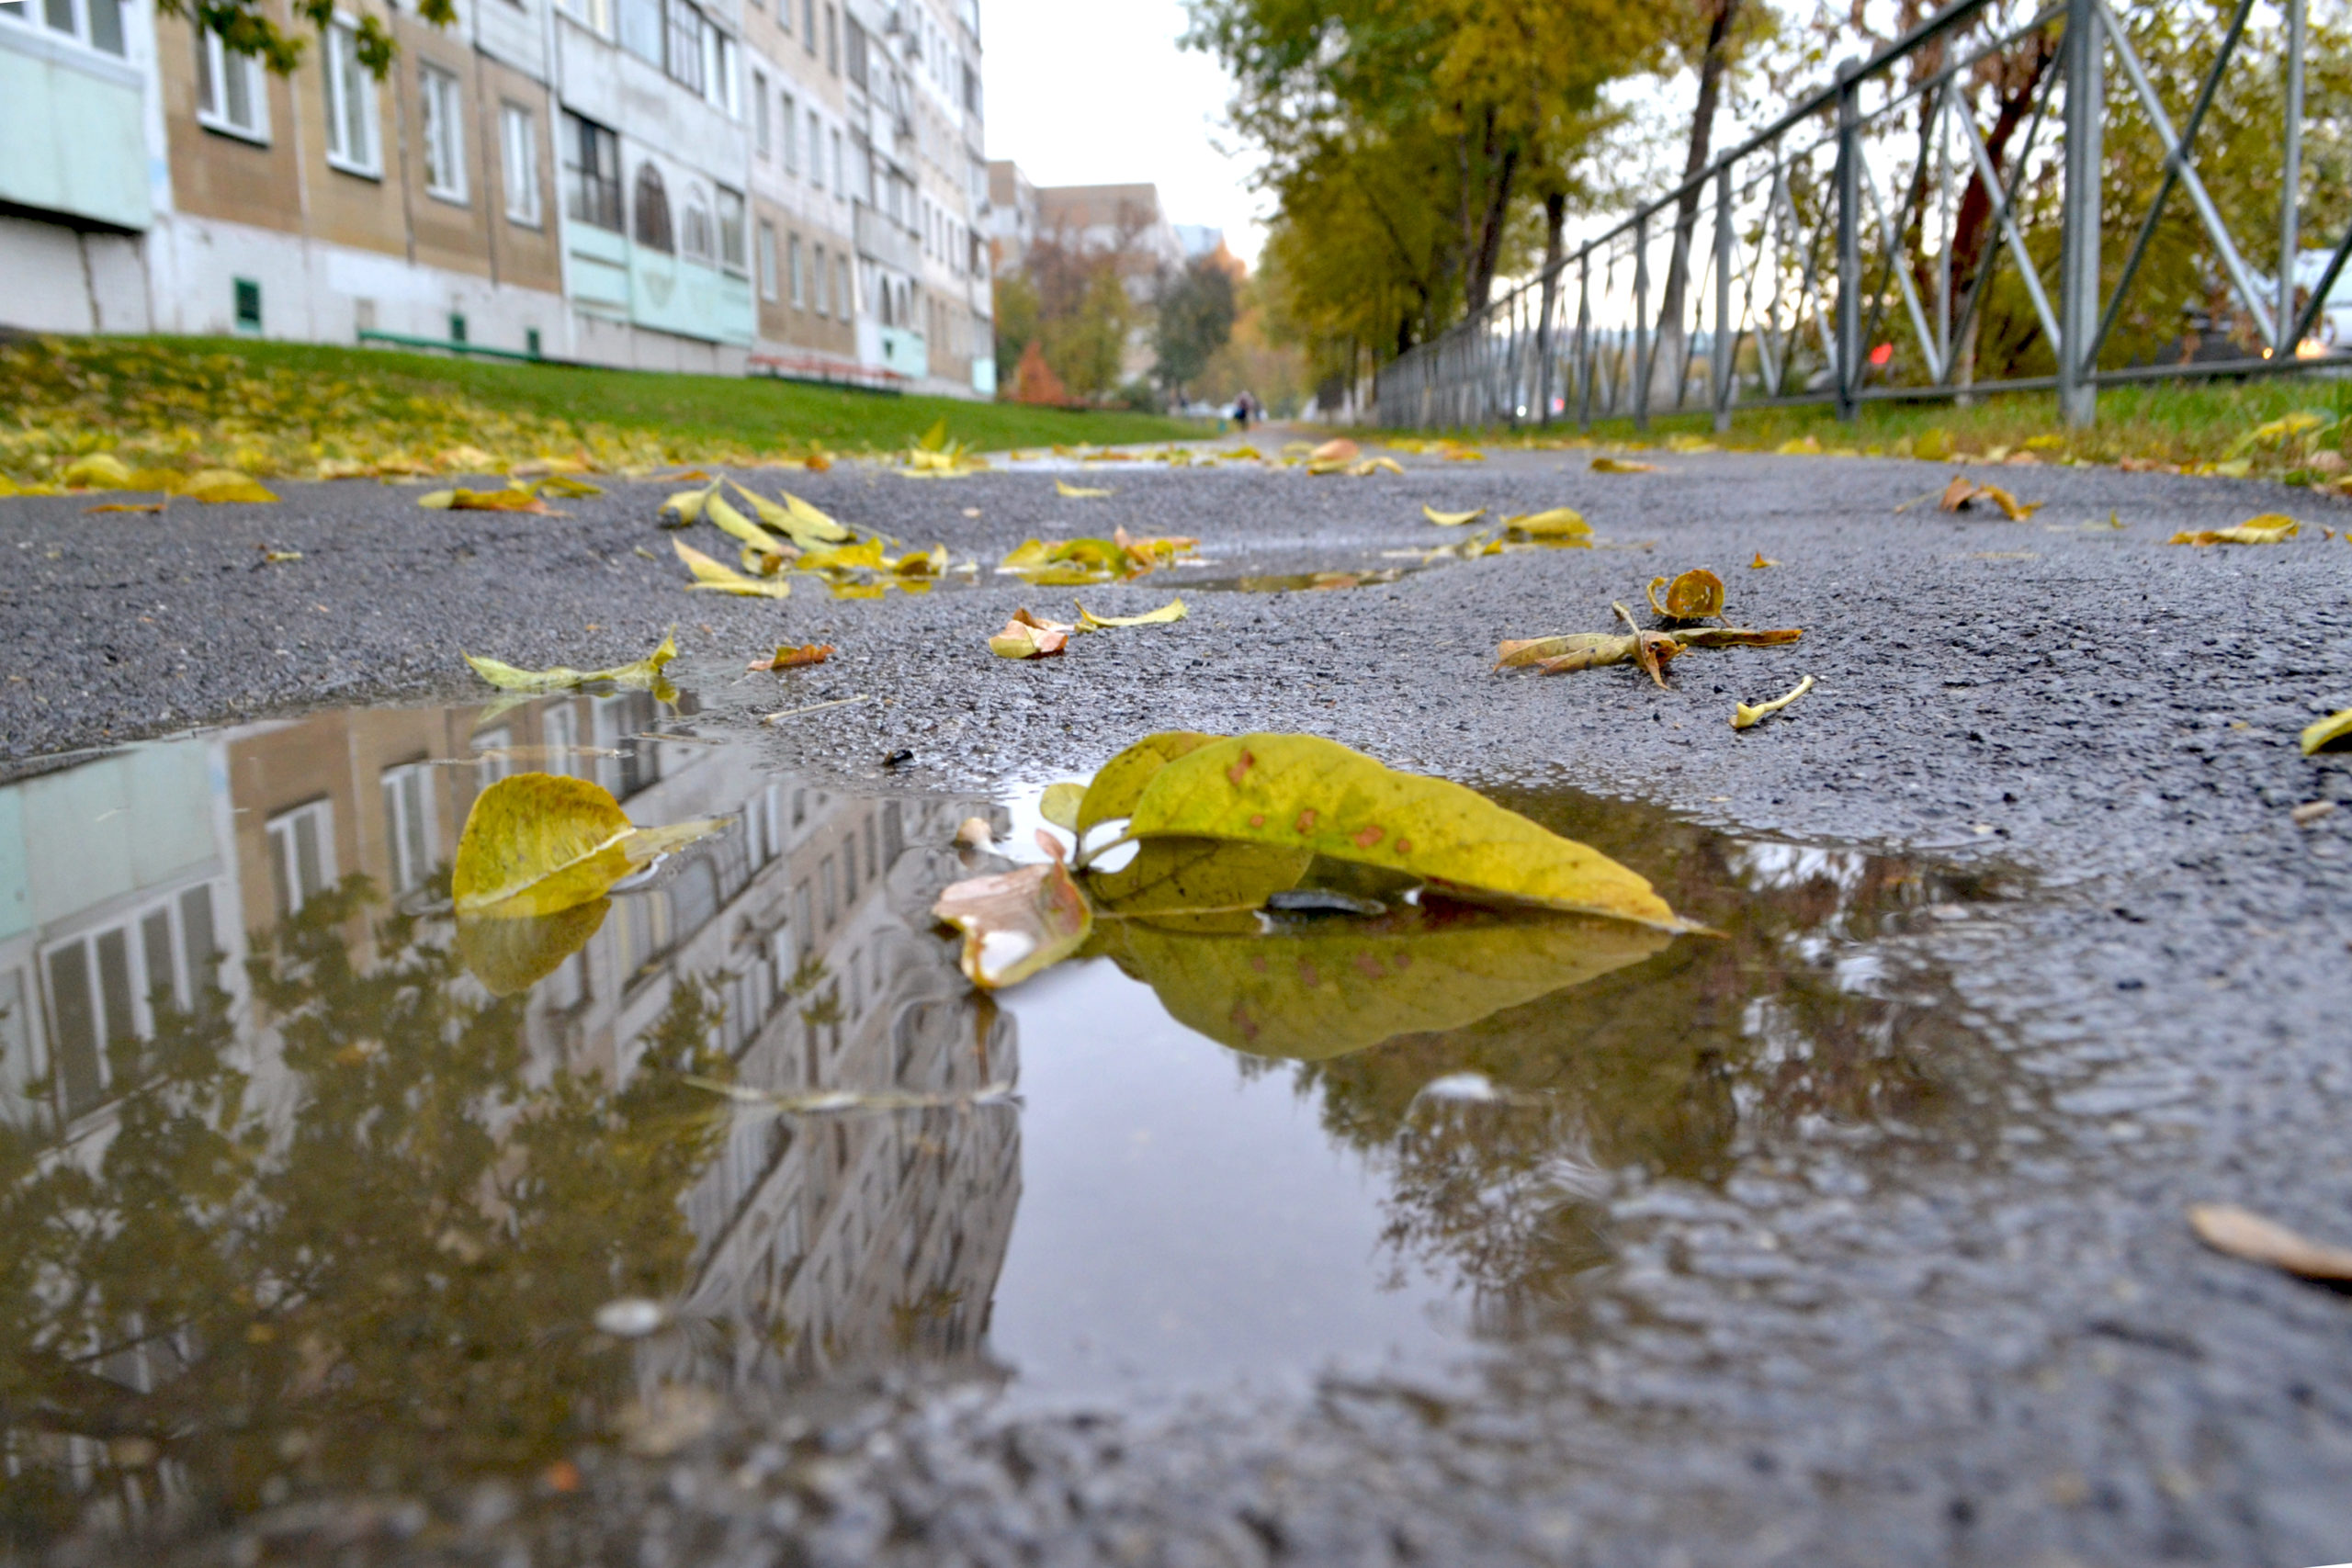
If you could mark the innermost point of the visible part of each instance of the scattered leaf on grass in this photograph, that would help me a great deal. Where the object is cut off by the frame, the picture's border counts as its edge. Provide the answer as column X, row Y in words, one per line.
column 2271, row 528
column 1059, row 805
column 1088, row 621
column 99, row 470
column 1560, row 525
column 216, row 486
column 717, row 577
column 1303, row 792
column 1451, row 519
column 1800, row 446
column 789, row 657
column 1078, row 492
column 540, row 843
column 2241, row 1232
column 2329, row 731
column 1622, row 465
column 1746, row 716
column 1760, row 563
column 1026, row 636
column 645, row 671
column 1693, row 596
column 1017, row 923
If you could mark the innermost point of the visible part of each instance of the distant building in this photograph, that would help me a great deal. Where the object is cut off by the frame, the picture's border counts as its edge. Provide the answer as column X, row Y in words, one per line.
column 1012, row 214
column 792, row 186
column 1199, row 240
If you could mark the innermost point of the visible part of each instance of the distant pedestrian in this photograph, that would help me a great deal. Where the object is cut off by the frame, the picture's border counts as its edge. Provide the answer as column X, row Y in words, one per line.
column 1241, row 411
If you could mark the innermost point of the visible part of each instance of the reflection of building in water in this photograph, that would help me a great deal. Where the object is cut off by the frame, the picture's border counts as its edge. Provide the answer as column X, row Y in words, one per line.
column 818, row 1238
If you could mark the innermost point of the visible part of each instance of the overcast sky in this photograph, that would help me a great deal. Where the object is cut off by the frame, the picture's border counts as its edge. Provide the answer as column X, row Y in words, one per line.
column 1095, row 91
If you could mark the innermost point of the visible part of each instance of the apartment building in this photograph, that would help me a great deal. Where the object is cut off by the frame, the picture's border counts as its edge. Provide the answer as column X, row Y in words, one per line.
column 685, row 185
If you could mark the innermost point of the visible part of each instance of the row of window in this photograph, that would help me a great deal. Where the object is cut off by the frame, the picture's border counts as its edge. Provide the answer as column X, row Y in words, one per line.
column 780, row 134
column 98, row 23
column 818, row 284
column 232, row 96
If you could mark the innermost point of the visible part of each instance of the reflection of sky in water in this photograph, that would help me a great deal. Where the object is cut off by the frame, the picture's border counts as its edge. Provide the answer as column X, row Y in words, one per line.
column 1159, row 1213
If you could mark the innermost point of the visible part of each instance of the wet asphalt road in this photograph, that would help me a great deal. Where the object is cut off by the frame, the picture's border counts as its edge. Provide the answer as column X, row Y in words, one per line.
column 2008, row 1353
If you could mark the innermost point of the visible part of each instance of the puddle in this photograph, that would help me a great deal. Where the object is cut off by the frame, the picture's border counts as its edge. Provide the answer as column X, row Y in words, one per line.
column 1300, row 582
column 289, row 1201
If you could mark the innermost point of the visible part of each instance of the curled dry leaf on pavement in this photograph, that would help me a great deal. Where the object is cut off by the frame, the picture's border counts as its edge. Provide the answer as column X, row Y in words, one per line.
column 1028, row 637
column 1016, row 923
column 2241, row 1232
column 147, row 506
column 1964, row 491
column 1433, row 905
column 1558, row 525
column 1760, row 563
column 1077, row 492
column 2333, row 730
column 733, row 523
column 1622, row 465
column 1088, row 621
column 2270, row 528
column 1451, row 519
column 1746, row 716
column 534, row 864
column 786, row 657
column 1566, row 654
column 717, row 577
column 1693, row 596
column 643, row 673
column 1371, row 465
column 514, row 497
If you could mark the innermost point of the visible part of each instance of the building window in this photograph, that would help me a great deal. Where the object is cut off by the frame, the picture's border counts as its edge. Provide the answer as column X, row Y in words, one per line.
column 411, row 831
column 518, row 138
column 761, row 142
column 767, row 260
column 350, row 105
column 840, row 187
column 840, row 288
column 592, row 174
column 98, row 23
column 445, row 135
column 856, row 54
column 301, row 855
column 20, row 1065
column 791, row 129
column 792, row 259
column 107, row 985
column 832, row 41
column 722, row 62
column 684, row 58
column 246, row 297
column 596, row 15
column 731, row 254
column 816, row 152
column 652, row 229
column 821, row 276
column 229, row 93
column 640, row 30
column 694, row 233
column 808, row 25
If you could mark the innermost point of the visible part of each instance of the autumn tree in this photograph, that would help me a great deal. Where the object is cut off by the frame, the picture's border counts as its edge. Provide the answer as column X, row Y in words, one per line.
column 1196, row 311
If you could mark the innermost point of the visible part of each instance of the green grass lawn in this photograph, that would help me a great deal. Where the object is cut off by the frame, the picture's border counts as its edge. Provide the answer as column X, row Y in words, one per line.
column 2187, row 424
column 281, row 407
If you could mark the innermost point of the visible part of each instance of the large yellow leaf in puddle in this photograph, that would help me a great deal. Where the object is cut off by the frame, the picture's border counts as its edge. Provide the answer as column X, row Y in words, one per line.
column 540, row 843
column 1199, row 884
column 1329, row 988
column 1303, row 792
column 513, row 953
column 1121, row 780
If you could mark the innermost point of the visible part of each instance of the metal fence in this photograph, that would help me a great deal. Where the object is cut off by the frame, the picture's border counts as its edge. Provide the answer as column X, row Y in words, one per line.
column 1877, row 239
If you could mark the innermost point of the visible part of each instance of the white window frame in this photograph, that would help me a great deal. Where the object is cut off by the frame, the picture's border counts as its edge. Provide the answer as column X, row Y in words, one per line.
column 283, row 833
column 767, row 261
column 214, row 67
column 697, row 227
column 738, row 264
column 344, row 76
column 411, row 824
column 441, row 98
column 518, row 133
column 179, row 977
column 597, row 16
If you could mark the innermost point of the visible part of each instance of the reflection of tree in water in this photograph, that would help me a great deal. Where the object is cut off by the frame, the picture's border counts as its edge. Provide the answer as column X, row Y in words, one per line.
column 1681, row 1065
column 367, row 1262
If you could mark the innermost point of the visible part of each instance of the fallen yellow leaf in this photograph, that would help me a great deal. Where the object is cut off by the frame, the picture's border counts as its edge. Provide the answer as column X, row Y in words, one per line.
column 719, row 578
column 2327, row 731
column 788, row 657
column 535, row 844
column 645, row 671
column 1622, row 465
column 1089, row 622
column 1451, row 519
column 1026, row 636
column 1760, row 563
column 218, row 485
column 1078, row 492
column 1017, row 923
column 1560, row 525
column 2271, row 528
column 1694, row 595
column 99, row 470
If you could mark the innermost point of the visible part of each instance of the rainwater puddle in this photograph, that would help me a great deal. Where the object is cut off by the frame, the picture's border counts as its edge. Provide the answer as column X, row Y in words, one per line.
column 292, row 1201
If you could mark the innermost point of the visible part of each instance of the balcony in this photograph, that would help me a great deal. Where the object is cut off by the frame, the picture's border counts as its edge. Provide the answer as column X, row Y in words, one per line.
column 880, row 240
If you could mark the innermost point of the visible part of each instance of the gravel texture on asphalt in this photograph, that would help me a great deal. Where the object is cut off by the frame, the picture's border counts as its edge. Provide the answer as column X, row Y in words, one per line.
column 2010, row 1352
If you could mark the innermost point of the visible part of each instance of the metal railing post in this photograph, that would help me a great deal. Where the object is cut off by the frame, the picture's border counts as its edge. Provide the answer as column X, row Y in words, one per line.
column 2290, row 181
column 1584, row 339
column 1846, row 372
column 1725, row 366
column 1642, row 336
column 2078, row 311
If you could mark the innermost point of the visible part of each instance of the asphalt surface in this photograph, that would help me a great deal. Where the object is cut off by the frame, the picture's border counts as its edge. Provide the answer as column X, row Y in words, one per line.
column 2011, row 1353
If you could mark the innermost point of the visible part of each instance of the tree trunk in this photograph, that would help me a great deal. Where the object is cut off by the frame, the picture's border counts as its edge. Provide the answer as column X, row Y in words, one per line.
column 1665, row 361
column 1974, row 232
column 1556, row 219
